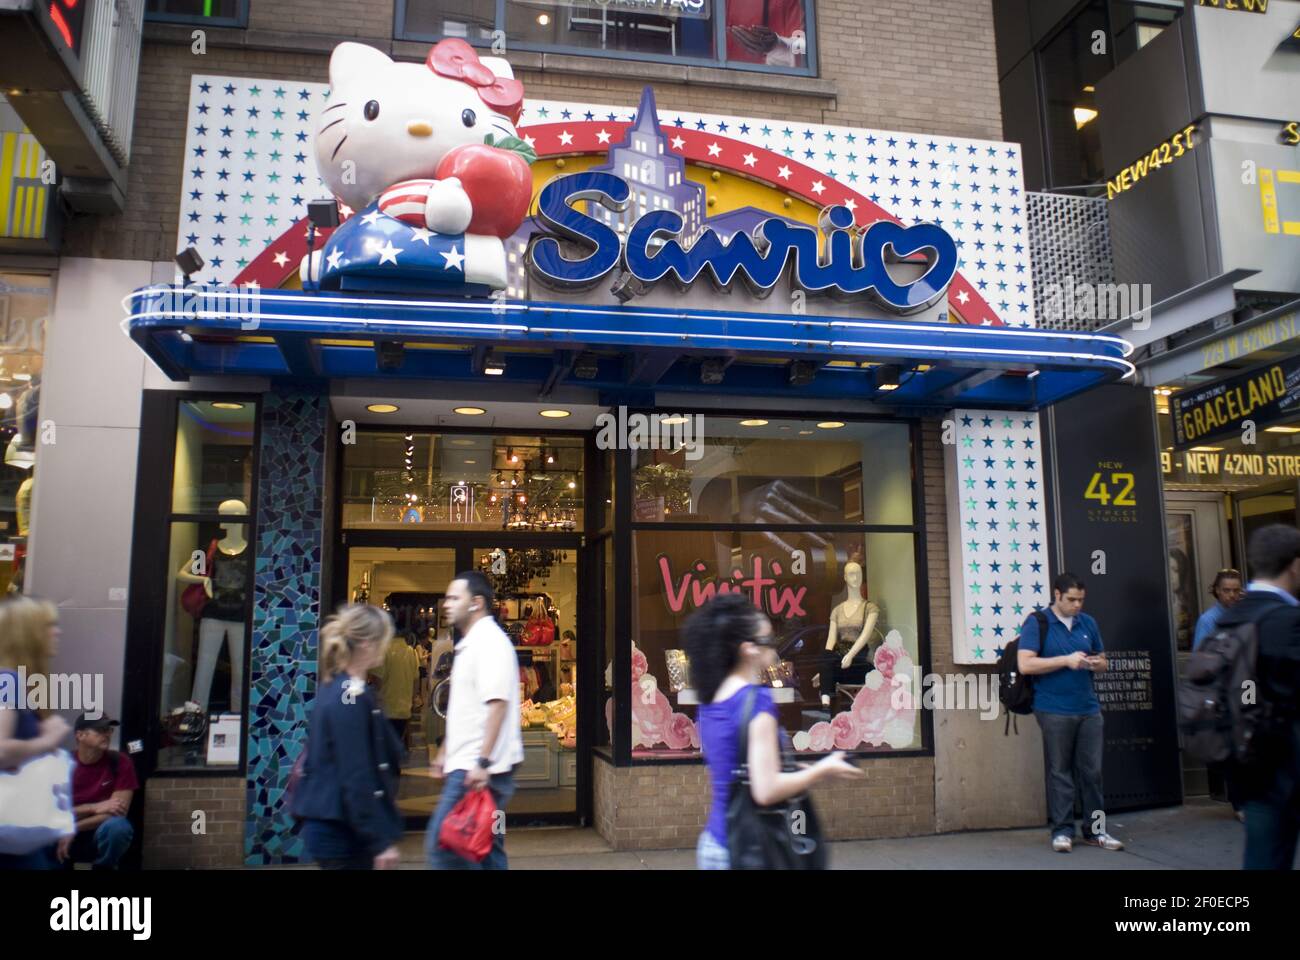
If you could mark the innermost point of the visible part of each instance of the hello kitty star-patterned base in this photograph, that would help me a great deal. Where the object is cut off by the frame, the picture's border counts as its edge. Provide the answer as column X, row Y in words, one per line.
column 375, row 251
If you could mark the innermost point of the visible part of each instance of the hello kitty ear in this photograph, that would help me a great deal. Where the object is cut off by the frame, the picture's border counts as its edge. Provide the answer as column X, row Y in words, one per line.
column 499, row 66
column 352, row 60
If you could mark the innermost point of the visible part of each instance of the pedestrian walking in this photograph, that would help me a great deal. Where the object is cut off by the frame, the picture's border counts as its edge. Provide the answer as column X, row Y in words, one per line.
column 1269, row 786
column 29, row 640
column 347, row 796
column 399, row 676
column 1227, row 591
column 103, row 784
column 730, row 644
column 482, row 744
column 1061, row 648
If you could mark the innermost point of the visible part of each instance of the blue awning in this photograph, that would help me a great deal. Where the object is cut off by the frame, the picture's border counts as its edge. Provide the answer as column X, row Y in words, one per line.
column 193, row 331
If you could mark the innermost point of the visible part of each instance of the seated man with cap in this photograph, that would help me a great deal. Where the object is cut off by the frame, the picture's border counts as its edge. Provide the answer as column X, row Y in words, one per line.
column 103, row 783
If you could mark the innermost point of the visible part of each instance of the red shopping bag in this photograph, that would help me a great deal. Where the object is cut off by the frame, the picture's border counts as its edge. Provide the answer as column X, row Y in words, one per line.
column 467, row 830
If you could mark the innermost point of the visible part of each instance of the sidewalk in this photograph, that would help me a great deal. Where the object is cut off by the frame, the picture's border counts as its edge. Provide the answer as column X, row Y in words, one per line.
column 1201, row 835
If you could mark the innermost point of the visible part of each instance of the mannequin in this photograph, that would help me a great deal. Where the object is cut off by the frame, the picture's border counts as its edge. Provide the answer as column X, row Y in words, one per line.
column 223, row 615
column 852, row 624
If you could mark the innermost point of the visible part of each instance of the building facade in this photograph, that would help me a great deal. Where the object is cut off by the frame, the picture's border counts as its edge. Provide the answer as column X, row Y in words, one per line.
column 315, row 456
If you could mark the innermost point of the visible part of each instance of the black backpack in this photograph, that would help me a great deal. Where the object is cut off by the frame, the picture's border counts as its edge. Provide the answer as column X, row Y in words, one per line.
column 1015, row 689
column 1220, row 712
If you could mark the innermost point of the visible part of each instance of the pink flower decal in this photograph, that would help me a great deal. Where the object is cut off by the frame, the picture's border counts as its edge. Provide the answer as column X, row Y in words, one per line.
column 845, row 729
column 885, row 660
column 877, row 717
column 821, row 737
column 639, row 663
column 681, row 732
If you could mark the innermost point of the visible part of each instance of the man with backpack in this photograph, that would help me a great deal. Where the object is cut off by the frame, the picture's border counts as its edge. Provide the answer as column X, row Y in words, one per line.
column 103, row 783
column 1266, row 774
column 1060, row 648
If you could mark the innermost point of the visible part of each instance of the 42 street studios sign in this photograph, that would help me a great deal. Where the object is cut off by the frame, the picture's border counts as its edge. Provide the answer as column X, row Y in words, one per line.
column 1264, row 395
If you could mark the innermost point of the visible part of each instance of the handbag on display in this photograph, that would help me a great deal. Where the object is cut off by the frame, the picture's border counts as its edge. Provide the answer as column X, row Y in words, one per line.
column 36, row 803
column 540, row 631
column 194, row 598
column 467, row 830
column 783, row 836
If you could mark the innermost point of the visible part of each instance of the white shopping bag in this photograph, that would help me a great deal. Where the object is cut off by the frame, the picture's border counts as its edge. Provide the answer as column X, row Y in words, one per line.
column 36, row 803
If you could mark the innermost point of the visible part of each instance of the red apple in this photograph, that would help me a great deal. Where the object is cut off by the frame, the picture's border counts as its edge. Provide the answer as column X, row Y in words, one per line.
column 499, row 184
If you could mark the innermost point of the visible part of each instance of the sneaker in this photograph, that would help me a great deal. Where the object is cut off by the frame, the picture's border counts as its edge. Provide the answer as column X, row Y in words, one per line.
column 1062, row 844
column 1105, row 841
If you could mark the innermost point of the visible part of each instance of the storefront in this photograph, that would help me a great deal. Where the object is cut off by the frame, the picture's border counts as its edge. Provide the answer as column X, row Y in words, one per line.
column 609, row 447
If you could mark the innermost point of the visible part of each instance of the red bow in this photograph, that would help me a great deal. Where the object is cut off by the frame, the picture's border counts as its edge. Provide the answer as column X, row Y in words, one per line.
column 456, row 59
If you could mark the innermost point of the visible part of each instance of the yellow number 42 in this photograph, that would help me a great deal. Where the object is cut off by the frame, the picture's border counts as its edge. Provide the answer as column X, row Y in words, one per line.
column 1099, row 490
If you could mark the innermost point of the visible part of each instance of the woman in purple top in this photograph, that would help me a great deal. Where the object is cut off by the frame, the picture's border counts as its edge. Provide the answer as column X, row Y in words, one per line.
column 729, row 643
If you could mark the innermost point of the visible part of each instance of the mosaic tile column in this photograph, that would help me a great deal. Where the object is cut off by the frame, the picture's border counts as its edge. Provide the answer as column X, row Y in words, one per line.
column 286, row 614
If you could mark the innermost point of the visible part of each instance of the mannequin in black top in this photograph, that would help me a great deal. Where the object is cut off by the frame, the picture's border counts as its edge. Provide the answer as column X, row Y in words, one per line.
column 223, row 616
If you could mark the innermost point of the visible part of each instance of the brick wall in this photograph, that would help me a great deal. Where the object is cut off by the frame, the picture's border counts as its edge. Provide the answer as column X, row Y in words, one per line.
column 665, row 806
column 925, row 67
column 169, row 838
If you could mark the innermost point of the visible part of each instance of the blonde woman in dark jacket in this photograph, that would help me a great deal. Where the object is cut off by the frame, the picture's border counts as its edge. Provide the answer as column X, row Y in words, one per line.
column 347, row 797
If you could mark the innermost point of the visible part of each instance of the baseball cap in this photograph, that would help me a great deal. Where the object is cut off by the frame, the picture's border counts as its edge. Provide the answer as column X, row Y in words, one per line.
column 86, row 723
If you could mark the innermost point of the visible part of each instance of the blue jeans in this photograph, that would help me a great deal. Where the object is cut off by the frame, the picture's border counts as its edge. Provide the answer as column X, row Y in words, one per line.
column 335, row 846
column 502, row 786
column 711, row 855
column 1273, row 820
column 105, row 847
column 1072, row 752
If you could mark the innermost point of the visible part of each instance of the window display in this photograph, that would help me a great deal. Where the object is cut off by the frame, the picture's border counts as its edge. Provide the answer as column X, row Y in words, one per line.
column 210, row 589
column 25, row 303
column 463, row 482
column 843, row 602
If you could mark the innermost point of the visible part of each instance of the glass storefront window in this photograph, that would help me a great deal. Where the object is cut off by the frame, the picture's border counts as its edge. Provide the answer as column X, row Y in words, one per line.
column 848, row 587
column 214, row 456
column 25, row 304
column 392, row 480
column 224, row 12
column 209, row 588
column 747, row 34
column 778, row 472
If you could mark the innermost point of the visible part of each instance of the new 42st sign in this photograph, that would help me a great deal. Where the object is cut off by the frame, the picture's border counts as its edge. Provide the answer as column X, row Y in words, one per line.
column 853, row 264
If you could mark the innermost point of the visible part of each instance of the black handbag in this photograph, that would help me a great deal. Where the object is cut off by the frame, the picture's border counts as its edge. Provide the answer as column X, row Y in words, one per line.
column 783, row 836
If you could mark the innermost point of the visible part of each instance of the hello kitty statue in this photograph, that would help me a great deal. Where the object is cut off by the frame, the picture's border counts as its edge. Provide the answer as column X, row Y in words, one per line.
column 429, row 158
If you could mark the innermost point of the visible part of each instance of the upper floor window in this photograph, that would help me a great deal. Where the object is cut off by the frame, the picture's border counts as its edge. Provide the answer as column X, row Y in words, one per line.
column 771, row 35
column 216, row 13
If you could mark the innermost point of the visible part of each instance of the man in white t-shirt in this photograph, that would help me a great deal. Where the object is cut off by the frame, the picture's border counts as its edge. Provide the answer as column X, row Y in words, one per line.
column 483, row 743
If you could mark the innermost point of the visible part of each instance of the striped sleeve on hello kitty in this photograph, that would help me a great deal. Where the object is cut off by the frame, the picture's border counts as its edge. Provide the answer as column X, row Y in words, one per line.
column 405, row 201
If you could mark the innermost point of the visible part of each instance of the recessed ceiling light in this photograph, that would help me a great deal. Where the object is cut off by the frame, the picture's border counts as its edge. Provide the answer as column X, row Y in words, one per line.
column 1282, row 429
column 554, row 414
column 805, row 433
column 469, row 411
column 470, row 462
column 669, row 421
column 1206, row 449
column 382, row 407
column 1083, row 116
column 753, row 423
column 227, row 405
column 831, row 424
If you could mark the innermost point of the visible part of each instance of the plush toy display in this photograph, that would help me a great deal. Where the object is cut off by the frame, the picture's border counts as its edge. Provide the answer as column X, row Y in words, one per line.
column 427, row 161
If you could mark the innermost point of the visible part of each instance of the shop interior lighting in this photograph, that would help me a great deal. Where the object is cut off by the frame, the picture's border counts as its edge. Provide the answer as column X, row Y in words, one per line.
column 550, row 457
column 227, row 405
column 669, row 421
column 831, row 424
column 1206, row 449
column 493, row 367
column 22, row 375
column 383, row 407
column 753, row 423
column 1083, row 116
column 554, row 414
column 468, row 412
column 1282, row 429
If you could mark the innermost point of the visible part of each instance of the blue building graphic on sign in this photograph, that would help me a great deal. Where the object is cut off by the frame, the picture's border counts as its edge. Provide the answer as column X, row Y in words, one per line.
column 657, row 179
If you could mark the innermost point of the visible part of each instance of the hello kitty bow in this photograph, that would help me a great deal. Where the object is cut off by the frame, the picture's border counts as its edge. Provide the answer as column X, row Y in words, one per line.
column 457, row 60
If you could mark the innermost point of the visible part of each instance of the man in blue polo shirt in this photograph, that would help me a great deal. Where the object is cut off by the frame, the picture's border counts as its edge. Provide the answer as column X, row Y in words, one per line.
column 1062, row 665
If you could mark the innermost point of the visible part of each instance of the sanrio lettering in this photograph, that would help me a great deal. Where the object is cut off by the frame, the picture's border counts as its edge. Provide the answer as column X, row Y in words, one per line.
column 852, row 265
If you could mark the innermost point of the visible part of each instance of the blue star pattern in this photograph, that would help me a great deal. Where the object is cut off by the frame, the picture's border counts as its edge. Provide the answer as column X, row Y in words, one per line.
column 268, row 153
column 998, row 530
column 974, row 189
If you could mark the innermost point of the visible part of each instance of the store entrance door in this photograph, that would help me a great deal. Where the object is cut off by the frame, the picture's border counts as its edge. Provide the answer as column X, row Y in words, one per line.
column 537, row 582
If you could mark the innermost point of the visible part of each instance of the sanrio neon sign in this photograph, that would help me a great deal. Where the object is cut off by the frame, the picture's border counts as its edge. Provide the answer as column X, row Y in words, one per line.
column 853, row 265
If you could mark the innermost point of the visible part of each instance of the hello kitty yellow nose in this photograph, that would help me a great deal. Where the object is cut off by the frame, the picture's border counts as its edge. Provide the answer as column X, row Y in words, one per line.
column 418, row 128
